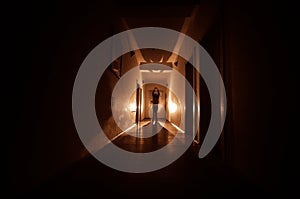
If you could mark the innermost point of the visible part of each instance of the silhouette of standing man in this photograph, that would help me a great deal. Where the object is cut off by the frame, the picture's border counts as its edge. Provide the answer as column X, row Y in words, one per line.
column 155, row 101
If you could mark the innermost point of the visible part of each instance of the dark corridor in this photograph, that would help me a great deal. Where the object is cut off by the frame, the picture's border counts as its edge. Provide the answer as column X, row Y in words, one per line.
column 251, row 44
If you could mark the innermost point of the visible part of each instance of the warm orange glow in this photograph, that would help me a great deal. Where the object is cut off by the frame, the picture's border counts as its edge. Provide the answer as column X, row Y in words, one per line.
column 145, row 71
column 161, row 60
column 172, row 107
column 132, row 107
column 156, row 71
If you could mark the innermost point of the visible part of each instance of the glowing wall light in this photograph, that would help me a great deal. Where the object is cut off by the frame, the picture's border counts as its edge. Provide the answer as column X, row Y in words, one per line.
column 156, row 71
column 132, row 107
column 172, row 107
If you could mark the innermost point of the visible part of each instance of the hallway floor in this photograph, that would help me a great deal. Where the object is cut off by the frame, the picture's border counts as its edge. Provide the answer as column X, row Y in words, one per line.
column 189, row 175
